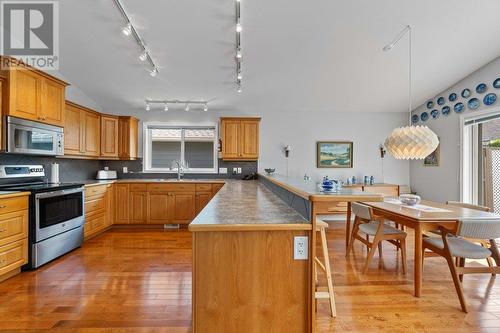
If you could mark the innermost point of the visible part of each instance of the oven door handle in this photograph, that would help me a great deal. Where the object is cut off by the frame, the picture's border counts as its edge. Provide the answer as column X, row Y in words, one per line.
column 58, row 193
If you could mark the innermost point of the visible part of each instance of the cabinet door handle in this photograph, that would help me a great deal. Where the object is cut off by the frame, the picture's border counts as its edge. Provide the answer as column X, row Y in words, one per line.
column 3, row 230
column 3, row 206
column 2, row 261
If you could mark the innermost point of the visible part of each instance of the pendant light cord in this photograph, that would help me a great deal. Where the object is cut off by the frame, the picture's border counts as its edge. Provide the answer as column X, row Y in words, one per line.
column 409, row 73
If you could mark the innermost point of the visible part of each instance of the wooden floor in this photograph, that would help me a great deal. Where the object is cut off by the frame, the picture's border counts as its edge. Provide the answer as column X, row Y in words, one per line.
column 140, row 281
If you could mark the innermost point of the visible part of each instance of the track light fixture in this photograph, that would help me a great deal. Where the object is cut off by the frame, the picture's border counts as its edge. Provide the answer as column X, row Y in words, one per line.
column 130, row 30
column 127, row 30
column 188, row 104
column 239, row 54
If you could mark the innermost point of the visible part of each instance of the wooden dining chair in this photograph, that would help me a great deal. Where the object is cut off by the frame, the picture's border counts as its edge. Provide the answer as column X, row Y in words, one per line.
column 453, row 245
column 483, row 242
column 371, row 225
column 321, row 227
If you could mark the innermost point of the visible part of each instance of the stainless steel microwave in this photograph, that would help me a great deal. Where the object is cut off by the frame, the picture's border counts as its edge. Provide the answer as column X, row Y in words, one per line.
column 29, row 137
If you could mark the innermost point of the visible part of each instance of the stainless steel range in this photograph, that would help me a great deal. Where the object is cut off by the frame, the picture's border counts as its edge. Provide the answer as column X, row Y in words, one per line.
column 56, row 212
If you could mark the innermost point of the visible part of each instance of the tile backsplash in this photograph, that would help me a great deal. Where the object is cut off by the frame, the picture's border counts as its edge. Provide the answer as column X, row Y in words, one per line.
column 71, row 170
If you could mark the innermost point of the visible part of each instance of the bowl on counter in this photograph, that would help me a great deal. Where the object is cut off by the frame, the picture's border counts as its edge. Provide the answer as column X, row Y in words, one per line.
column 409, row 199
column 269, row 171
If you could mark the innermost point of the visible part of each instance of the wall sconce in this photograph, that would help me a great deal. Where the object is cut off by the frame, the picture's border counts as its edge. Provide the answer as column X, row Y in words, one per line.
column 287, row 149
column 382, row 151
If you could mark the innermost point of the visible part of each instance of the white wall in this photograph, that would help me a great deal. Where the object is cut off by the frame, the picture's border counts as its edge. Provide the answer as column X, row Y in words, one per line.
column 302, row 130
column 442, row 183
column 76, row 95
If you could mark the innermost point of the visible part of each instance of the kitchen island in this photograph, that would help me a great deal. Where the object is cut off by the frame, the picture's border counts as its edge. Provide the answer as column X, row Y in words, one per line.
column 245, row 277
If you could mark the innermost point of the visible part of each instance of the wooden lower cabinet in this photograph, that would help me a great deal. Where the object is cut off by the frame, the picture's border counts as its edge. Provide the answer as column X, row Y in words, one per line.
column 159, row 207
column 138, row 207
column 202, row 199
column 121, row 203
column 13, row 234
column 184, row 209
column 98, row 209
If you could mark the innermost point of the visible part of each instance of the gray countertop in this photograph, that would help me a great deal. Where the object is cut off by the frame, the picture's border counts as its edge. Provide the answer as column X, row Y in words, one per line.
column 247, row 205
column 92, row 182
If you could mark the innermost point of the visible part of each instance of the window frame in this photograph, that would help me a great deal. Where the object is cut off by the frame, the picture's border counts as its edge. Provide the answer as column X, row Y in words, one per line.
column 147, row 146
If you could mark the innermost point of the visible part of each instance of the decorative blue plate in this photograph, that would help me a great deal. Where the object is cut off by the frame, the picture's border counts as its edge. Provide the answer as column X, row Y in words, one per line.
column 481, row 88
column 473, row 103
column 445, row 110
column 434, row 114
column 430, row 104
column 490, row 99
column 441, row 100
column 465, row 93
column 452, row 97
column 496, row 83
column 415, row 118
column 459, row 107
column 424, row 116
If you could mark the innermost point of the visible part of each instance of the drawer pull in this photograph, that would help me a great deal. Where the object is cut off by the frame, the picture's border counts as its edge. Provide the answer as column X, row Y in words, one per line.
column 2, row 261
column 3, row 230
column 3, row 206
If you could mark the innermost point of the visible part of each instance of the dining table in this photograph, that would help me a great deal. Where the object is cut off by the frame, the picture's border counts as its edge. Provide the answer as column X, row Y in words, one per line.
column 424, row 217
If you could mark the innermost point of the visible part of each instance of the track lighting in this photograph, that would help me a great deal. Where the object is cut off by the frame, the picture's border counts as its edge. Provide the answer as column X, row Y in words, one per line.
column 130, row 30
column 239, row 76
column 239, row 88
column 238, row 26
column 238, row 53
column 127, row 30
column 187, row 104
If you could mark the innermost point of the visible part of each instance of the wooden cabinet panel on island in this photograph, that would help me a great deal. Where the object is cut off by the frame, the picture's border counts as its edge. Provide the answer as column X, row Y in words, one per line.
column 109, row 136
column 33, row 94
column 127, row 138
column 240, row 138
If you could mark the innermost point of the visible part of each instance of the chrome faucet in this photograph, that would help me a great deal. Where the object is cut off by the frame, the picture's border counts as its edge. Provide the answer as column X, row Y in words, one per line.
column 180, row 168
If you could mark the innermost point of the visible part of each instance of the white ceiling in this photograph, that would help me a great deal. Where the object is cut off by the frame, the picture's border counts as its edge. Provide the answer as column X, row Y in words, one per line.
column 322, row 55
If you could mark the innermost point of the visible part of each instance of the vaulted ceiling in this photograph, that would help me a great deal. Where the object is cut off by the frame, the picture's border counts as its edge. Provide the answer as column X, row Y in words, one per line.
column 312, row 56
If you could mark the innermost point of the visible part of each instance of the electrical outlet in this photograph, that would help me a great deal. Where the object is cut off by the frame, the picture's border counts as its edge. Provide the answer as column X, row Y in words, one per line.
column 300, row 247
column 239, row 170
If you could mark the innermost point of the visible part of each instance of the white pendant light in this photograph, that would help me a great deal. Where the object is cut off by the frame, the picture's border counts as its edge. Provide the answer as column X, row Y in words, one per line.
column 410, row 142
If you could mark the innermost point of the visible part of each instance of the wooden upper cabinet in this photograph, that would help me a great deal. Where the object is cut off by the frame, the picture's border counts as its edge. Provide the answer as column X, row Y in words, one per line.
column 128, row 138
column 82, row 131
column 92, row 130
column 52, row 103
column 249, row 139
column 34, row 95
column 109, row 136
column 240, row 139
column 73, row 135
column 230, row 139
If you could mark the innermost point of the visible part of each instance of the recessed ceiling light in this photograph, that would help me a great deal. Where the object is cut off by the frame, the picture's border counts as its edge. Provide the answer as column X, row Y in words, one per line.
column 127, row 30
column 143, row 56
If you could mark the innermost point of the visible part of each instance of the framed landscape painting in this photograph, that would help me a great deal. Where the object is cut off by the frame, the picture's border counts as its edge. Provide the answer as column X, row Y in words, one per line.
column 433, row 158
column 334, row 154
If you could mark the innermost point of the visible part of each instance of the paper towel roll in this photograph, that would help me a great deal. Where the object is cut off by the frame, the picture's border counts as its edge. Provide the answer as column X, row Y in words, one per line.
column 54, row 173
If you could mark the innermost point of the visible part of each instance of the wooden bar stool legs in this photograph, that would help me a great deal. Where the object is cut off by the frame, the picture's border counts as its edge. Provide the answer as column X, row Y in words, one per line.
column 325, row 267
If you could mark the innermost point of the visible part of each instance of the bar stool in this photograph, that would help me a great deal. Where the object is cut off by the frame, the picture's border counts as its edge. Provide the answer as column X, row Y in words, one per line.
column 321, row 227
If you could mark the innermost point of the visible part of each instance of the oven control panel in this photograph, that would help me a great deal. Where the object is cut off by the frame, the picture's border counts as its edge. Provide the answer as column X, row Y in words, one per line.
column 16, row 171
